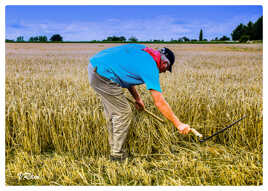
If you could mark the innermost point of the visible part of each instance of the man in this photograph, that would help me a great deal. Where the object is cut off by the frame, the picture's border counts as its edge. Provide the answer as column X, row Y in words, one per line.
column 126, row 66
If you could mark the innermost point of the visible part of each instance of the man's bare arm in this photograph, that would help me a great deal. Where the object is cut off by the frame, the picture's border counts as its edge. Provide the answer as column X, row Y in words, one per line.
column 165, row 109
column 134, row 93
column 136, row 96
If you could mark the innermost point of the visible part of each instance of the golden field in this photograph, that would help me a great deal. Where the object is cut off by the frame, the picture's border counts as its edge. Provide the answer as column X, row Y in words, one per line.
column 55, row 128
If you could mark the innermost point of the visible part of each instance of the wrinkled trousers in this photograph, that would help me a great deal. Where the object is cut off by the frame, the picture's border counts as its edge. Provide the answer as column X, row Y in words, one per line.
column 116, row 108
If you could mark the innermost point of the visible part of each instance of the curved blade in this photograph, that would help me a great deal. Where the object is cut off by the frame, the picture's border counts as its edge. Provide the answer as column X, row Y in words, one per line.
column 220, row 131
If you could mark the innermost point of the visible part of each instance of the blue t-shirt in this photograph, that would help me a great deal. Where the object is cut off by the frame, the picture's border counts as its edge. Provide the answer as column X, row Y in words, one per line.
column 127, row 65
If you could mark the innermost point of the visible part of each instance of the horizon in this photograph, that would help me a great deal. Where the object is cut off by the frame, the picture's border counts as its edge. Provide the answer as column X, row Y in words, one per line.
column 145, row 22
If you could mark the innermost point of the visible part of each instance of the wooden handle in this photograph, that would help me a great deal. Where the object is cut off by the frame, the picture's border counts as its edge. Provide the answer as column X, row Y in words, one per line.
column 196, row 133
column 153, row 115
column 150, row 113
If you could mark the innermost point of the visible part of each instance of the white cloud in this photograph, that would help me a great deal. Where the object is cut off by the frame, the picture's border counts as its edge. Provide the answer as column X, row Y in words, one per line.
column 162, row 27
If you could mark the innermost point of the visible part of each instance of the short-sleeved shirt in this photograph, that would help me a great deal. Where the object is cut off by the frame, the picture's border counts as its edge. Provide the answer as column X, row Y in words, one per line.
column 128, row 65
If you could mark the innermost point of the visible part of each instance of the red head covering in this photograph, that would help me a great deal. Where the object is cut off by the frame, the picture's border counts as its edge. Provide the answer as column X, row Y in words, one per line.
column 155, row 54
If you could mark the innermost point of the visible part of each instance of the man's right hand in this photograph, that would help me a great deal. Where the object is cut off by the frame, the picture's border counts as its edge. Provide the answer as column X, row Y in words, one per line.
column 139, row 105
column 184, row 128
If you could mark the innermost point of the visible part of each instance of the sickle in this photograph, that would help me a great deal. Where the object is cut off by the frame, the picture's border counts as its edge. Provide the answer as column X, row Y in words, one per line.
column 200, row 136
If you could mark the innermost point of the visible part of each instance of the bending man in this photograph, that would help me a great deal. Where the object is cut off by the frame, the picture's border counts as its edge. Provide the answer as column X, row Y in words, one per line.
column 126, row 66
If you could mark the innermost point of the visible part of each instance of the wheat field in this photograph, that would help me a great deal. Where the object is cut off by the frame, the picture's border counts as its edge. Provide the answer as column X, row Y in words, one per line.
column 55, row 128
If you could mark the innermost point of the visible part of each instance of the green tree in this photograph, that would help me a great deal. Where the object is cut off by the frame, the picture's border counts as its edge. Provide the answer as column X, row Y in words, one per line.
column 133, row 39
column 38, row 39
column 56, row 38
column 115, row 38
column 8, row 40
column 250, row 30
column 201, row 35
column 185, row 39
column 20, row 39
column 244, row 38
column 180, row 39
column 122, row 38
column 42, row 39
column 31, row 39
column 258, row 29
column 224, row 38
column 238, row 32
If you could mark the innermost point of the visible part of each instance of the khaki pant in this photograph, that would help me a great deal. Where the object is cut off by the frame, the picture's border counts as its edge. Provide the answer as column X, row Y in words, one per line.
column 116, row 108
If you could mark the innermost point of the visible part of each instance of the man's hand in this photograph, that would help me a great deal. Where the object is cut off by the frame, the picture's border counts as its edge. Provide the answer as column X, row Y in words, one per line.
column 184, row 128
column 165, row 109
column 139, row 105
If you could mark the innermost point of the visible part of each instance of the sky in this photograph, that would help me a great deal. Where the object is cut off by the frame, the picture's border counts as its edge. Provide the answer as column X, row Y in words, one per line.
column 89, row 22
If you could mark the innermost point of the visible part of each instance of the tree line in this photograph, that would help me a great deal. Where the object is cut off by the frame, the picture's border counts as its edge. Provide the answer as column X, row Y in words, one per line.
column 251, row 31
column 53, row 38
column 242, row 33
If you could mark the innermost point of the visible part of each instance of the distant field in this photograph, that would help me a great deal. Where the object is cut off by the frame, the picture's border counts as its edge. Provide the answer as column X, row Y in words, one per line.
column 55, row 128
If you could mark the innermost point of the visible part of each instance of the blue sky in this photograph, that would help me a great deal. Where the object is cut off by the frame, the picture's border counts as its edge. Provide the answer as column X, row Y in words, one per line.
column 84, row 23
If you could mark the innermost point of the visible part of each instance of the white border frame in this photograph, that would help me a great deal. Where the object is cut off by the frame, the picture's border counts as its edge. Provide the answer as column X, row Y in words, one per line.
column 4, row 3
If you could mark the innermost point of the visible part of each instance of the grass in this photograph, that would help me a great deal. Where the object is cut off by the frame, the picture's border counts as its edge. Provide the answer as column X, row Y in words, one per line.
column 55, row 128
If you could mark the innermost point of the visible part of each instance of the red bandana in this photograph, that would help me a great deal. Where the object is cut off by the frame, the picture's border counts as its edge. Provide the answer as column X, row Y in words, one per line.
column 155, row 54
